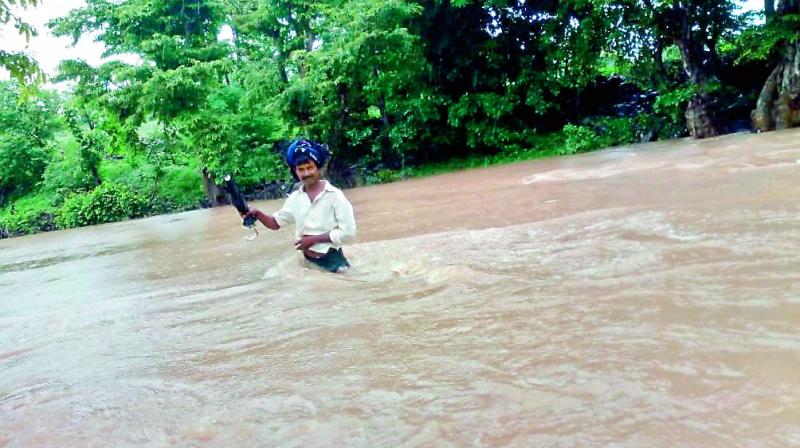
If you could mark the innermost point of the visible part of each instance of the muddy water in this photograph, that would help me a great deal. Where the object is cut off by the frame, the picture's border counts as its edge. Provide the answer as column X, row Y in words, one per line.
column 644, row 296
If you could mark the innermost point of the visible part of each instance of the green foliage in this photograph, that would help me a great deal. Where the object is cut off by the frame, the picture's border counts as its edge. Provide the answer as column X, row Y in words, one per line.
column 180, row 188
column 359, row 89
column 224, row 135
column 65, row 171
column 481, row 115
column 167, row 188
column 385, row 176
column 763, row 42
column 106, row 203
column 20, row 65
column 670, row 106
column 579, row 139
column 397, row 88
column 27, row 127
column 31, row 214
column 600, row 132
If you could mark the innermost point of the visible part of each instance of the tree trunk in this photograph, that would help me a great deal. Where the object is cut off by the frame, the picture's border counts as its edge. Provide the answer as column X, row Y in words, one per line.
column 698, row 121
column 778, row 105
column 281, row 57
column 658, row 57
column 213, row 192
column 698, row 118
column 95, row 175
column 763, row 117
column 336, row 139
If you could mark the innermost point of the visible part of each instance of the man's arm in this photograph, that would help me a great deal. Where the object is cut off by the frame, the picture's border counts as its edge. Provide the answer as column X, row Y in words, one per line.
column 268, row 221
column 306, row 241
column 277, row 220
column 343, row 233
column 345, row 230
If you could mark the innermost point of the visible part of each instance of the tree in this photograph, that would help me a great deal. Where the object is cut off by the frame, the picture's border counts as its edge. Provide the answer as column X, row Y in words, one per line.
column 27, row 127
column 364, row 82
column 695, row 28
column 21, row 65
column 511, row 69
column 778, row 41
column 183, row 63
column 273, row 30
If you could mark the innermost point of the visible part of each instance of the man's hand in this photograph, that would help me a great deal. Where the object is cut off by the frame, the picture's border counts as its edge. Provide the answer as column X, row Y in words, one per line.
column 306, row 241
column 265, row 219
column 254, row 212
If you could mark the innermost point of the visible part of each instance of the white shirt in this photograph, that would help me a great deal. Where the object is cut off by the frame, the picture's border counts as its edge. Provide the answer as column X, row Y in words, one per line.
column 330, row 213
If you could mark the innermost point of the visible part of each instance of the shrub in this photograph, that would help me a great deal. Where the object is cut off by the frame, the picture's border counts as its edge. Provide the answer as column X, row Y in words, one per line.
column 26, row 222
column 30, row 214
column 669, row 109
column 180, row 188
column 106, row 203
column 579, row 139
column 65, row 173
column 383, row 176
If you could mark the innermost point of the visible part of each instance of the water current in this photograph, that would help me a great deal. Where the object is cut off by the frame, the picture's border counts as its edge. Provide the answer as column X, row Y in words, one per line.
column 646, row 296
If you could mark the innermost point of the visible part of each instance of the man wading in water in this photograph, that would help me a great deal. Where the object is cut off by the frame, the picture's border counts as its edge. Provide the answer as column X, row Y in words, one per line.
column 322, row 216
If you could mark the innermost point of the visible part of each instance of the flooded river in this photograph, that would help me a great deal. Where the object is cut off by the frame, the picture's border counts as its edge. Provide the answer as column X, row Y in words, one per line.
column 642, row 296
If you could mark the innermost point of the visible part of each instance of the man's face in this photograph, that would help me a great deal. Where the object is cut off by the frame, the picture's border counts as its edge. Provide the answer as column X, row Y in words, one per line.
column 308, row 173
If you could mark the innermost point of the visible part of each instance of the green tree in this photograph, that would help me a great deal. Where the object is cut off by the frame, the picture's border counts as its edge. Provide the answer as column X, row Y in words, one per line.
column 778, row 43
column 364, row 82
column 511, row 69
column 28, row 128
column 182, row 64
column 21, row 65
column 696, row 28
column 272, row 30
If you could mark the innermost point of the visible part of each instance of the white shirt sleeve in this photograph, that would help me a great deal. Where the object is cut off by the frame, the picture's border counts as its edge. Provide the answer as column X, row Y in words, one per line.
column 345, row 230
column 284, row 216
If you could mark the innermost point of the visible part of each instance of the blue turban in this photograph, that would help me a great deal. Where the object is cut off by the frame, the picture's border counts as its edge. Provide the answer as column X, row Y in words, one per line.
column 302, row 150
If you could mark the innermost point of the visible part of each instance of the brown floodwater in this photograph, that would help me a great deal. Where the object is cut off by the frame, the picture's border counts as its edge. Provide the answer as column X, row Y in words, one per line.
column 639, row 296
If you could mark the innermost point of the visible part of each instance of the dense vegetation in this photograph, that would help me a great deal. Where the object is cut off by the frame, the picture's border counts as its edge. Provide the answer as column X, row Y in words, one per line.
column 396, row 87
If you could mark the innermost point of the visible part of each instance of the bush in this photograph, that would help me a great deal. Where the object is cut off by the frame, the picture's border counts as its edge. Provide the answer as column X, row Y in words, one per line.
column 619, row 131
column 180, row 188
column 383, row 176
column 579, row 139
column 26, row 222
column 30, row 214
column 65, row 173
column 600, row 132
column 669, row 109
column 106, row 203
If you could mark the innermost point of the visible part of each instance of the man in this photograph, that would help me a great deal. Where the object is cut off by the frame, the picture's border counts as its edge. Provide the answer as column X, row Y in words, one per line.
column 322, row 216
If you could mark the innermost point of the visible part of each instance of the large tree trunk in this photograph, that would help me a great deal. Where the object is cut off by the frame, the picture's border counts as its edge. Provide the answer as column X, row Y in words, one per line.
column 698, row 119
column 778, row 105
column 213, row 193
column 763, row 116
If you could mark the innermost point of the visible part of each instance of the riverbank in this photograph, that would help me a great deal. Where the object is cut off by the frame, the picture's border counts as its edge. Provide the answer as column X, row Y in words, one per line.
column 126, row 196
